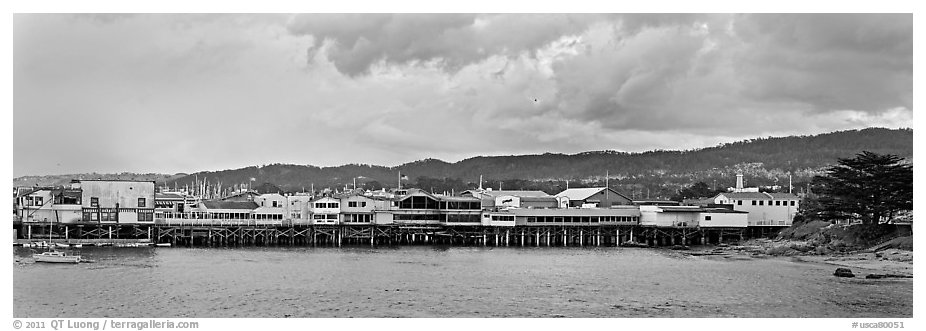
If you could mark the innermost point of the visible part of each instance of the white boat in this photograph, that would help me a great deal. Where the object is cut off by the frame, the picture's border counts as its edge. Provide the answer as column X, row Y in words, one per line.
column 56, row 257
column 163, row 245
column 60, row 245
column 78, row 245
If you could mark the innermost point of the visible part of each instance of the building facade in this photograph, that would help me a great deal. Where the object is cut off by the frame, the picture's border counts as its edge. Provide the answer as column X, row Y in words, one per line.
column 117, row 201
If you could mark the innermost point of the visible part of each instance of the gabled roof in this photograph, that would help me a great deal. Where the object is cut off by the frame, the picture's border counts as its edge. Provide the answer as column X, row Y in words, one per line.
column 585, row 193
column 217, row 204
column 416, row 192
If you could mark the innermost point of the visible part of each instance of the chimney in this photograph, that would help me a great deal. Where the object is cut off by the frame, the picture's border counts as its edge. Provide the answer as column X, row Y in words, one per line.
column 739, row 182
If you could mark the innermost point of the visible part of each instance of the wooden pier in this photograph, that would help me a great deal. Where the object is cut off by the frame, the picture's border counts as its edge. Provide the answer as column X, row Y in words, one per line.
column 236, row 235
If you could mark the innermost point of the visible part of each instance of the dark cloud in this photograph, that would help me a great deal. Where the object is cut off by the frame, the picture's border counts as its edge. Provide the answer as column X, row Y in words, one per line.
column 362, row 40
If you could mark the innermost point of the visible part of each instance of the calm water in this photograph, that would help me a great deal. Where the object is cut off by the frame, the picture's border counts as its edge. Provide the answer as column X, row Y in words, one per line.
column 442, row 282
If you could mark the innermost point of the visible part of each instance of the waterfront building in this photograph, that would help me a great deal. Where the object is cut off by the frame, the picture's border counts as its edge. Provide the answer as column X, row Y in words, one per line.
column 50, row 204
column 498, row 218
column 765, row 209
column 297, row 208
column 174, row 202
column 692, row 216
column 625, row 215
column 117, row 201
column 722, row 218
column 224, row 211
column 325, row 210
column 270, row 206
column 423, row 208
column 359, row 209
column 670, row 216
column 600, row 197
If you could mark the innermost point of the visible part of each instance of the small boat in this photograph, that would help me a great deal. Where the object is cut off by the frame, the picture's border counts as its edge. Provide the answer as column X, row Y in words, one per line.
column 60, row 245
column 78, row 245
column 163, row 245
column 56, row 257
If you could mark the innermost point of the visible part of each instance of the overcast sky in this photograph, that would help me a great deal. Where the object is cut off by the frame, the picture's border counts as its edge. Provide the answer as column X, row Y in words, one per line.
column 185, row 93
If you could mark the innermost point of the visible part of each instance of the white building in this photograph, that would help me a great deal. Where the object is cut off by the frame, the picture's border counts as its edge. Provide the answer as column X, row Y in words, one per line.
column 50, row 205
column 692, row 216
column 297, row 208
column 359, row 209
column 270, row 206
column 325, row 210
column 765, row 209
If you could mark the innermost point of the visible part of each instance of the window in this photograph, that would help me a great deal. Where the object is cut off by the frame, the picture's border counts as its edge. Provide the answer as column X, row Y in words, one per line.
column 363, row 204
column 778, row 203
column 753, row 202
column 333, row 205
column 141, row 202
column 707, row 217
column 761, row 203
column 94, row 216
column 38, row 201
column 352, row 203
column 94, row 202
column 275, row 203
column 739, row 202
column 792, row 203
column 320, row 205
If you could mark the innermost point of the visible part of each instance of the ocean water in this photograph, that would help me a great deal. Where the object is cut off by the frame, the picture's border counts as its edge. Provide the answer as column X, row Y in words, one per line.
column 436, row 281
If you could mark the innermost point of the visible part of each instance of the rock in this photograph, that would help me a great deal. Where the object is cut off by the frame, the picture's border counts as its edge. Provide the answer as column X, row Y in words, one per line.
column 843, row 272
column 874, row 276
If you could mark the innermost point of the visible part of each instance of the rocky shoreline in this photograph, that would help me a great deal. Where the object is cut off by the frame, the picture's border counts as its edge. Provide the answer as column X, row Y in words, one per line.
column 886, row 263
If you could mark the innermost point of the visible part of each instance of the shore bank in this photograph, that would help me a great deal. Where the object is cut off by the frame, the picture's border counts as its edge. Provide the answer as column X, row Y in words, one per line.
column 887, row 261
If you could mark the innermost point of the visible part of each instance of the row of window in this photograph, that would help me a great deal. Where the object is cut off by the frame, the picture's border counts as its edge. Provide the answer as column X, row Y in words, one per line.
column 356, row 204
column 358, row 218
column 112, row 215
column 419, row 217
column 325, row 216
column 428, row 203
column 95, row 202
column 463, row 218
column 503, row 218
column 579, row 219
column 762, row 202
column 320, row 205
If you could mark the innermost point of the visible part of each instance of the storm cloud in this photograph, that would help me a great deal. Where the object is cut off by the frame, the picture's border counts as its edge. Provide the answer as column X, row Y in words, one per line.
column 221, row 91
